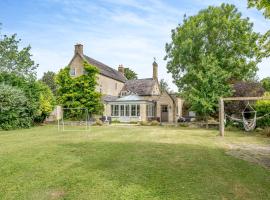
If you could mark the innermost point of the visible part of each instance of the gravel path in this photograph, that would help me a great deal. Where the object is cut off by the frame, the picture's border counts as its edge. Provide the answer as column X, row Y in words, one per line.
column 251, row 152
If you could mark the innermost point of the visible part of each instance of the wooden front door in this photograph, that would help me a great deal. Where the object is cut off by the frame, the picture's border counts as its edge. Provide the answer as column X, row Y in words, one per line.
column 164, row 113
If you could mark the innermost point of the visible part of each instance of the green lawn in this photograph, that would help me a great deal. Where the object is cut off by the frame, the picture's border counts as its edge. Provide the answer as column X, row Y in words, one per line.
column 127, row 163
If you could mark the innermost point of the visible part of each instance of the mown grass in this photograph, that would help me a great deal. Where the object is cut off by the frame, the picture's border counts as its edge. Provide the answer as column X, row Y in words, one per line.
column 127, row 163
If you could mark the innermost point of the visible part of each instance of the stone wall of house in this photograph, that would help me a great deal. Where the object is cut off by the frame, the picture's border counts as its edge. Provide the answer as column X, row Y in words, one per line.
column 105, row 85
column 108, row 86
column 164, row 99
column 77, row 64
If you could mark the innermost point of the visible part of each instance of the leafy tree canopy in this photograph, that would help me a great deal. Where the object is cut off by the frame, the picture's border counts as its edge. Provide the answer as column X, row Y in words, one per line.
column 208, row 52
column 130, row 74
column 263, row 5
column 14, row 60
column 164, row 86
column 243, row 89
column 48, row 78
column 266, row 83
column 79, row 92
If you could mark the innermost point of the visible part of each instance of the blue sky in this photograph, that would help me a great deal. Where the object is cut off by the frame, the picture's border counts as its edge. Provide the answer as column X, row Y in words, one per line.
column 128, row 32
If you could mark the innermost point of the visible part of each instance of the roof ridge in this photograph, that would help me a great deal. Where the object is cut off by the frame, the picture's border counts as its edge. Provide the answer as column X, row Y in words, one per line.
column 106, row 70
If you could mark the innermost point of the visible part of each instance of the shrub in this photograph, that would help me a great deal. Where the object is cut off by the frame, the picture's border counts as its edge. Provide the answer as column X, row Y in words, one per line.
column 98, row 122
column 183, row 124
column 263, row 108
column 115, row 121
column 46, row 102
column 143, row 123
column 154, row 123
column 39, row 97
column 14, row 108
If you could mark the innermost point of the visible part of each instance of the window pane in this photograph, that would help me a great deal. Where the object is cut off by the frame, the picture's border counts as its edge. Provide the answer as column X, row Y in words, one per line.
column 72, row 71
column 133, row 110
column 112, row 110
column 122, row 110
column 138, row 110
column 127, row 110
column 116, row 110
column 150, row 110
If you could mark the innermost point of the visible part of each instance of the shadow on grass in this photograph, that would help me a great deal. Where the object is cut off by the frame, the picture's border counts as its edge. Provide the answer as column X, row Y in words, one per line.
column 163, row 171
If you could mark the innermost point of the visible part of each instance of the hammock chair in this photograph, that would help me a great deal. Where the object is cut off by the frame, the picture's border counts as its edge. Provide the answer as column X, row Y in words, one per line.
column 249, row 124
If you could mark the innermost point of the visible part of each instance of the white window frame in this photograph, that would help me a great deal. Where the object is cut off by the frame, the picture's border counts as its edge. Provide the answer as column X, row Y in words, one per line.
column 125, row 110
column 72, row 70
column 150, row 109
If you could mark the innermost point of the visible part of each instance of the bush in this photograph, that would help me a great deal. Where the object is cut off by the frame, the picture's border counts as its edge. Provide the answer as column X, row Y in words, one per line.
column 263, row 108
column 143, row 123
column 14, row 108
column 98, row 122
column 154, row 123
column 115, row 121
column 39, row 97
column 46, row 102
column 183, row 124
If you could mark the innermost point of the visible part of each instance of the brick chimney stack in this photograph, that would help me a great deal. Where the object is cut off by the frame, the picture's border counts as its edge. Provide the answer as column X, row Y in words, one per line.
column 121, row 69
column 78, row 49
column 155, row 70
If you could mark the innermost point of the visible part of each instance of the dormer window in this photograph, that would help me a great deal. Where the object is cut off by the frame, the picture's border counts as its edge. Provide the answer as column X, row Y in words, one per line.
column 72, row 72
column 124, row 93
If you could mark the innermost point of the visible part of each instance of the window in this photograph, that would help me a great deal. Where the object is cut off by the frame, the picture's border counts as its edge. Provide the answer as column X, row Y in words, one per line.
column 150, row 108
column 164, row 108
column 72, row 72
column 122, row 110
column 115, row 110
column 138, row 110
column 133, row 110
column 127, row 110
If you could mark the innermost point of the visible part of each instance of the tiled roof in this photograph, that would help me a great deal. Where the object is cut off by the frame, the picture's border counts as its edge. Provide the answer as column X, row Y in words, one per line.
column 141, row 87
column 109, row 98
column 106, row 70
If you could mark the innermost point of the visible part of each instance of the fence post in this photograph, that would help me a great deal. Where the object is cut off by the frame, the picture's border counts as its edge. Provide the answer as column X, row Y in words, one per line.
column 221, row 117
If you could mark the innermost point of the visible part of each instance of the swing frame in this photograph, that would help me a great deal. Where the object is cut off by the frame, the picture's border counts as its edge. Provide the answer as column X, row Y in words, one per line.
column 222, row 113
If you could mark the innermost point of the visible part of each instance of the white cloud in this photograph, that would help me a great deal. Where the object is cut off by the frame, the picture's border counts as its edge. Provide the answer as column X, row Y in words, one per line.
column 129, row 32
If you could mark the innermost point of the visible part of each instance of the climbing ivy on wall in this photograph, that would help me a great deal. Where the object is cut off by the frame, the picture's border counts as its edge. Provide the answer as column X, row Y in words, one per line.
column 79, row 92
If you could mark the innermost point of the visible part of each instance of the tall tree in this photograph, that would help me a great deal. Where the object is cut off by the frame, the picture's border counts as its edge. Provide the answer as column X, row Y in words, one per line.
column 164, row 85
column 14, row 60
column 49, row 79
column 208, row 52
column 130, row 74
column 263, row 5
column 79, row 92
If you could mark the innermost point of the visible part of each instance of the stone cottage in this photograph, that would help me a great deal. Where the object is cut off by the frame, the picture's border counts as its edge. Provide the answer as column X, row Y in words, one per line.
column 129, row 100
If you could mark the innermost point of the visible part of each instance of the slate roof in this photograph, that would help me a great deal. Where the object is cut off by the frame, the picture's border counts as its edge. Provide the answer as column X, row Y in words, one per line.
column 109, row 98
column 142, row 87
column 106, row 70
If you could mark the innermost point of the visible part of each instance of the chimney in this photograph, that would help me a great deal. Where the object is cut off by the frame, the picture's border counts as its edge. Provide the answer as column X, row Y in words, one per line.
column 79, row 49
column 121, row 69
column 155, row 70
